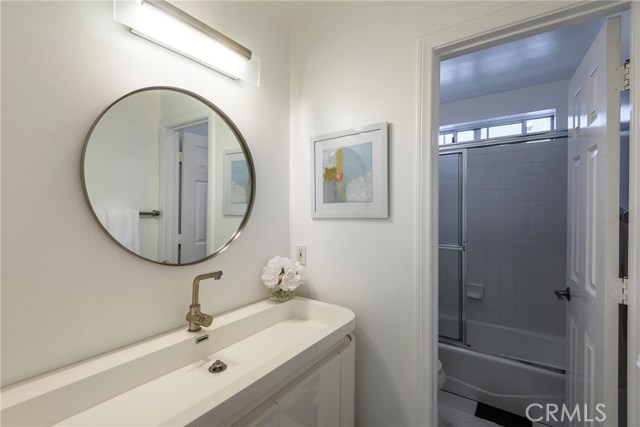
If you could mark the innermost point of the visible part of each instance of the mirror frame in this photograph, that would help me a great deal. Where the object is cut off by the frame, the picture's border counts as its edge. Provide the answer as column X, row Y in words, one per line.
column 237, row 134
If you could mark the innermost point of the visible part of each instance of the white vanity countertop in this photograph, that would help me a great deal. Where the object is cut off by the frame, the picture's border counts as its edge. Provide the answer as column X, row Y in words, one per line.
column 165, row 380
column 187, row 393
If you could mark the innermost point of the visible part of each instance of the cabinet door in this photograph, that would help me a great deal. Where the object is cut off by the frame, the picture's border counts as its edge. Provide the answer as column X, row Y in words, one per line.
column 316, row 402
column 269, row 418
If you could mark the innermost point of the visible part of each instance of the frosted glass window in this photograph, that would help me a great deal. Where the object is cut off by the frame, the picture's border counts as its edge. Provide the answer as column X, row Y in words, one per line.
column 534, row 121
column 466, row 136
column 539, row 125
column 446, row 138
column 505, row 130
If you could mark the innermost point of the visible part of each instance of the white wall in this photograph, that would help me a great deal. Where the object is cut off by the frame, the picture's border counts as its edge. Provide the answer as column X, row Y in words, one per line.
column 518, row 101
column 68, row 292
column 356, row 65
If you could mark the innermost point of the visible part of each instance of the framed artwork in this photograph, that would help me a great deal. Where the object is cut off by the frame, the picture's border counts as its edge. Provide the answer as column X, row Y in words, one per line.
column 350, row 173
column 236, row 188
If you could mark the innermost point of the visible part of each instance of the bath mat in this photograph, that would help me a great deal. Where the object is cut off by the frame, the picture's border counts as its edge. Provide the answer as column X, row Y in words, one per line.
column 450, row 417
column 501, row 417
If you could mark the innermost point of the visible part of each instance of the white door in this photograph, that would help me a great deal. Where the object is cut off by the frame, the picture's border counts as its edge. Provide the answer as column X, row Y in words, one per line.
column 592, row 233
column 193, row 206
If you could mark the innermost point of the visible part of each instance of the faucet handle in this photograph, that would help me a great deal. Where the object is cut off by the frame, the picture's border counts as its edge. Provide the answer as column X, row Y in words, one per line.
column 206, row 319
column 196, row 318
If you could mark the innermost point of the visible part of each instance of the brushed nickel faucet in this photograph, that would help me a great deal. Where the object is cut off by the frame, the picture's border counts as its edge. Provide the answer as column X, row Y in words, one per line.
column 195, row 317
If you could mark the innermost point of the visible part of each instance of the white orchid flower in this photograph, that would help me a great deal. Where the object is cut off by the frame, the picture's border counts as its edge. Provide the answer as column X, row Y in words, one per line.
column 282, row 273
column 270, row 276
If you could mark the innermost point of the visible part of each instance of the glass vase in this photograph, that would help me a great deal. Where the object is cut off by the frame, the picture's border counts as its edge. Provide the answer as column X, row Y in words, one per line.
column 281, row 296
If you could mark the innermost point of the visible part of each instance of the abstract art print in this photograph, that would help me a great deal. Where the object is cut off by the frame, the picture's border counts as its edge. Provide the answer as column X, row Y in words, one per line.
column 346, row 175
column 237, row 187
column 350, row 173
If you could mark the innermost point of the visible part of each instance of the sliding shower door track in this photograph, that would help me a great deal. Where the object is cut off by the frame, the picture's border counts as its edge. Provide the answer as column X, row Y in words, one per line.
column 501, row 356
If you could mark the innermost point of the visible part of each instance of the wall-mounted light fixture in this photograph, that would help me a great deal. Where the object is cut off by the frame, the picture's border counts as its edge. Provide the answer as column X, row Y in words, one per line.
column 167, row 25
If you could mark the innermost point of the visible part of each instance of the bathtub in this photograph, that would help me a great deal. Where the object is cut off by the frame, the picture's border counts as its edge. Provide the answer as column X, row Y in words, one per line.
column 500, row 382
column 543, row 349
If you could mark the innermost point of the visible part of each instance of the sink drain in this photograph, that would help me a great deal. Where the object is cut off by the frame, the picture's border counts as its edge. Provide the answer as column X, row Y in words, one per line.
column 217, row 367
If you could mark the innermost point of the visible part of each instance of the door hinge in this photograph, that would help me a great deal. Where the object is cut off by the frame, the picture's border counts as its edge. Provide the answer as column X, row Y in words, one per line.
column 180, row 156
column 627, row 74
column 179, row 239
column 625, row 289
column 620, row 79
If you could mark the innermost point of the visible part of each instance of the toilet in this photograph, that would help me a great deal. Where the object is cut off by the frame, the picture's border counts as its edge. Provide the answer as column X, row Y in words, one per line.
column 441, row 376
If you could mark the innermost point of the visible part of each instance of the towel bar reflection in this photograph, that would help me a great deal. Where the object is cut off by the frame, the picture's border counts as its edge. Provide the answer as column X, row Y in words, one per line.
column 152, row 213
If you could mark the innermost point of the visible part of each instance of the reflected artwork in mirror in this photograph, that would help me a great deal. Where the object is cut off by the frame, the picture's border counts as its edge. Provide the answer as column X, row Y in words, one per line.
column 168, row 176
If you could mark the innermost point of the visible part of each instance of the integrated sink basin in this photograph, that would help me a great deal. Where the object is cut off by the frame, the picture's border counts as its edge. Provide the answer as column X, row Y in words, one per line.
column 166, row 380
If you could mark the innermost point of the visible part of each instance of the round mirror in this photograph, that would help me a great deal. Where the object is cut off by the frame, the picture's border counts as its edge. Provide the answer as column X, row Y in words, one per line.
column 168, row 176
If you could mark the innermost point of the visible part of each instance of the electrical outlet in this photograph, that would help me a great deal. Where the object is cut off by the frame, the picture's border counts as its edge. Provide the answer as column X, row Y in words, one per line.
column 301, row 255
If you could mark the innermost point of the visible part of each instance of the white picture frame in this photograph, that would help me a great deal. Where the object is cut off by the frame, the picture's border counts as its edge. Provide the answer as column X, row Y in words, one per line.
column 349, row 173
column 236, row 182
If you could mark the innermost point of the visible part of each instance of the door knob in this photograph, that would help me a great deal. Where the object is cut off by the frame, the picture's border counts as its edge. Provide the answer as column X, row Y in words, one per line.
column 563, row 294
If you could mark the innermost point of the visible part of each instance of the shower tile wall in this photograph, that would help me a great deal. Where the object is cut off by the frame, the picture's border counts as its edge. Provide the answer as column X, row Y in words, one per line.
column 516, row 234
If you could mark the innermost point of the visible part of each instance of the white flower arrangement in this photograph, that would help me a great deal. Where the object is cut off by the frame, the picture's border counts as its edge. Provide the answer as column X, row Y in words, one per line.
column 281, row 273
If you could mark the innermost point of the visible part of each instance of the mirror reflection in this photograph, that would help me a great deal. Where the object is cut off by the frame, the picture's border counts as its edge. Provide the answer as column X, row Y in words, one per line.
column 168, row 176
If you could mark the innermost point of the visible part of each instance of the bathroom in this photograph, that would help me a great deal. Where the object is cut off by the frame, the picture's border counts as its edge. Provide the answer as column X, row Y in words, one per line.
column 71, row 294
column 507, row 213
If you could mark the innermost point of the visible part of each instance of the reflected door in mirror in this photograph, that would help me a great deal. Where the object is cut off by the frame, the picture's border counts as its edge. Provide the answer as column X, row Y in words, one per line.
column 193, row 197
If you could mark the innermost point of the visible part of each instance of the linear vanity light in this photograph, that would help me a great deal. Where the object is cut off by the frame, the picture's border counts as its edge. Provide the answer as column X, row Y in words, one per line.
column 165, row 24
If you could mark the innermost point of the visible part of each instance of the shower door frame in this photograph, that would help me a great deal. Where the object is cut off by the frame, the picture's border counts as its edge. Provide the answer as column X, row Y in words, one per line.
column 462, row 214
column 463, row 147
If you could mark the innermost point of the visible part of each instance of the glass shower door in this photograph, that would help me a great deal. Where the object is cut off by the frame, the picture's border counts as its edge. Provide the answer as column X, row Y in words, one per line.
column 451, row 245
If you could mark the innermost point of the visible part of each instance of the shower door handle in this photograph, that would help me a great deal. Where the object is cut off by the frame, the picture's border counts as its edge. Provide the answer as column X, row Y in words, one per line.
column 563, row 294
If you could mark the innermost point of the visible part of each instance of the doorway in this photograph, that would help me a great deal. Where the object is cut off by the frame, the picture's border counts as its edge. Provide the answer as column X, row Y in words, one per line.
column 431, row 176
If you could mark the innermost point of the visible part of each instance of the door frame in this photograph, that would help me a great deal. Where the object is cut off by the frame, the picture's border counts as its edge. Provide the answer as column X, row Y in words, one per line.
column 509, row 23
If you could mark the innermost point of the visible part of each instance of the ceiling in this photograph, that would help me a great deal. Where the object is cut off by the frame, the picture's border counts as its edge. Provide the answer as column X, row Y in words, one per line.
column 537, row 59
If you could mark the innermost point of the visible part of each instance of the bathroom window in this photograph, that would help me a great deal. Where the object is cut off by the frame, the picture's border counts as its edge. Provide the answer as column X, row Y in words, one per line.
column 539, row 125
column 505, row 130
column 446, row 138
column 536, row 121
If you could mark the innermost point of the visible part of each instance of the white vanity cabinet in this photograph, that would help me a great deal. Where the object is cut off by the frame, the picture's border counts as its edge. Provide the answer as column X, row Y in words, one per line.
column 322, row 397
column 315, row 402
